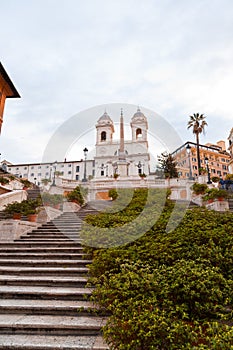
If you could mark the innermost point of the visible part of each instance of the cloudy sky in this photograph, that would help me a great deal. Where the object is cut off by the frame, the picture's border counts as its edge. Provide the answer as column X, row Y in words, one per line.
column 66, row 56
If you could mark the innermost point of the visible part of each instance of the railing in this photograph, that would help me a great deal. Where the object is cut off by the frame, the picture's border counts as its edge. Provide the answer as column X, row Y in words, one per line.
column 14, row 196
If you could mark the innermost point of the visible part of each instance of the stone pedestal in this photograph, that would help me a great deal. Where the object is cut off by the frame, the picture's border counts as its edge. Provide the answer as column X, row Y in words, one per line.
column 122, row 168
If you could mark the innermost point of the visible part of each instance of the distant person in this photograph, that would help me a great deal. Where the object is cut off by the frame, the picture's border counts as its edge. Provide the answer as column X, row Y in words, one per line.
column 222, row 183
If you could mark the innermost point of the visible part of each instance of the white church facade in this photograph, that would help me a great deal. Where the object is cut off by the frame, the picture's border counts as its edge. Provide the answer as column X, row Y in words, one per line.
column 125, row 158
column 113, row 157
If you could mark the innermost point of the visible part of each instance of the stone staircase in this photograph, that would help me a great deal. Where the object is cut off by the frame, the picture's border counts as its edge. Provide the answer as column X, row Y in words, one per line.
column 33, row 193
column 230, row 204
column 43, row 295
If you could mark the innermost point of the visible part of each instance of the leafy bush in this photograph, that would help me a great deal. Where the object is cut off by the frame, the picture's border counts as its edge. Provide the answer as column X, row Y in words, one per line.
column 76, row 195
column 215, row 179
column 26, row 183
column 25, row 207
column 113, row 194
column 215, row 193
column 51, row 199
column 4, row 180
column 199, row 188
column 166, row 291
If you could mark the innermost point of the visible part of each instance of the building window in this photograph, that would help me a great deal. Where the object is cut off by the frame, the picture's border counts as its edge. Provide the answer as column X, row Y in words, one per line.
column 62, row 166
column 103, row 136
column 25, row 175
column 77, row 169
column 138, row 133
column 69, row 172
column 47, row 166
column 93, row 163
column 39, row 167
column 25, row 168
column 9, row 169
column 93, row 173
column 77, row 177
column 46, row 174
column 69, row 165
column 17, row 169
column 32, row 167
column 32, row 174
column 39, row 174
column 102, row 173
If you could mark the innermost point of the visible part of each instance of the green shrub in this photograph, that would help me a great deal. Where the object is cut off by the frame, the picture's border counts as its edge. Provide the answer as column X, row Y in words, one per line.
column 113, row 194
column 166, row 290
column 199, row 188
column 4, row 180
column 76, row 195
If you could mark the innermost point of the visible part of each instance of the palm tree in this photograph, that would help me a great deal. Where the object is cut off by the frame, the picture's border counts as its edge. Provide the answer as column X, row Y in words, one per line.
column 198, row 123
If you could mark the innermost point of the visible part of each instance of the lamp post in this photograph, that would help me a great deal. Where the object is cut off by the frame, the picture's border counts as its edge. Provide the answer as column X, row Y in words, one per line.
column 54, row 173
column 188, row 149
column 140, row 167
column 208, row 169
column 85, row 165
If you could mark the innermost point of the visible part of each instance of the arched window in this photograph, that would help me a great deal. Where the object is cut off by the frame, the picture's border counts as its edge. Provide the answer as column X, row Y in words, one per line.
column 103, row 136
column 138, row 133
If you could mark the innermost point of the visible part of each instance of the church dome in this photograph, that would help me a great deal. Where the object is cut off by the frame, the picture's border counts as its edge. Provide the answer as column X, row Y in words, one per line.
column 139, row 116
column 105, row 119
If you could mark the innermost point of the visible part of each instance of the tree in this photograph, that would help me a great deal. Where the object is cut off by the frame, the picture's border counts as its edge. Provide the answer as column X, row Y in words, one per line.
column 198, row 123
column 168, row 165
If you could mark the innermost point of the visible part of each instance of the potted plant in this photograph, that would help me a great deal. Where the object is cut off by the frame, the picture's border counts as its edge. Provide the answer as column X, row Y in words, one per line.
column 57, row 200
column 45, row 182
column 142, row 176
column 14, row 209
column 76, row 196
column 215, row 193
column 26, row 184
column 4, row 180
column 215, row 179
column 30, row 208
column 115, row 175
column 199, row 188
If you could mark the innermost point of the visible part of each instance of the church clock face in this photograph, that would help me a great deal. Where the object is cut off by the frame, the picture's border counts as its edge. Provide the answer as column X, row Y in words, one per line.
column 103, row 150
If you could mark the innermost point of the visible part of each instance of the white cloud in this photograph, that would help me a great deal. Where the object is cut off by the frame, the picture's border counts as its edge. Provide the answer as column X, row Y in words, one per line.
column 66, row 56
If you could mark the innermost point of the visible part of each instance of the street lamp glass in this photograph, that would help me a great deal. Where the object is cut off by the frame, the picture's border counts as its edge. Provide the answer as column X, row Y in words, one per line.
column 188, row 148
column 85, row 151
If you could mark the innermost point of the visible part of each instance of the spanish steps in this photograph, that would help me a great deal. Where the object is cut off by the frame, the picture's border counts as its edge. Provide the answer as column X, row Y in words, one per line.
column 43, row 295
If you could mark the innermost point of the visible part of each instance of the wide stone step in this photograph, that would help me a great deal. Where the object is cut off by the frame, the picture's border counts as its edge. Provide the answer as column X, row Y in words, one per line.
column 57, row 228
column 52, row 281
column 47, row 256
column 52, row 325
column 37, row 292
column 48, row 240
column 46, row 263
column 48, row 307
column 43, row 271
column 54, row 237
column 48, row 342
column 45, row 249
column 19, row 244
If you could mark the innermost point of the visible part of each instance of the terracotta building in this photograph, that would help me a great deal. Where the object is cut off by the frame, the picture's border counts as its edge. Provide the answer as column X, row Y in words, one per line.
column 7, row 90
column 230, row 148
column 214, row 156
